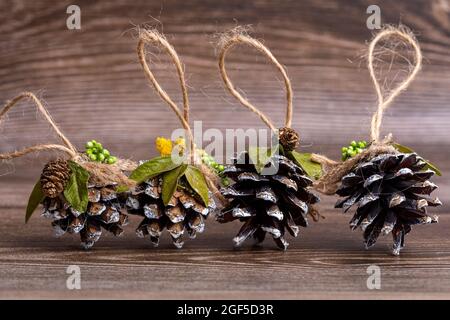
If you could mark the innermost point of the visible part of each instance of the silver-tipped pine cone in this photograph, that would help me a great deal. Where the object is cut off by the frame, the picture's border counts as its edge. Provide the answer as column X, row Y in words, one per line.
column 392, row 193
column 103, row 210
column 267, row 203
column 185, row 213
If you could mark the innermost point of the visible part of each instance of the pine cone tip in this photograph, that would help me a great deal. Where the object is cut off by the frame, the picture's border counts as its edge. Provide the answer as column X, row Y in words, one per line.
column 289, row 138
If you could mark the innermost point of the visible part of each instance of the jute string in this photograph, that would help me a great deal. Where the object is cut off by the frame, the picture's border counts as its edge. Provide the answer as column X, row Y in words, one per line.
column 154, row 37
column 334, row 171
column 101, row 174
column 384, row 102
column 67, row 147
column 147, row 37
column 238, row 36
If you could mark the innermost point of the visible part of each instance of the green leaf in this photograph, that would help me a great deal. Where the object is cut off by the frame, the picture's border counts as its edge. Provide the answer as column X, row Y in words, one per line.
column 403, row 149
column 152, row 168
column 197, row 181
column 36, row 197
column 428, row 165
column 122, row 188
column 170, row 182
column 76, row 191
column 312, row 169
column 260, row 156
column 431, row 166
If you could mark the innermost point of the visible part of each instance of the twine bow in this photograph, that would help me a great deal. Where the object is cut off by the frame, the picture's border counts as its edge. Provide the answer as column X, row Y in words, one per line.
column 334, row 171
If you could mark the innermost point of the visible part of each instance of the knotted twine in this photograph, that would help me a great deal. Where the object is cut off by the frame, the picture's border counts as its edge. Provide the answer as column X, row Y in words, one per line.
column 153, row 37
column 335, row 171
column 238, row 36
column 100, row 174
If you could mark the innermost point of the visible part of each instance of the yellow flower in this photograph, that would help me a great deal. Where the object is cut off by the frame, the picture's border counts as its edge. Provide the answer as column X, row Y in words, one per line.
column 180, row 141
column 164, row 146
column 180, row 144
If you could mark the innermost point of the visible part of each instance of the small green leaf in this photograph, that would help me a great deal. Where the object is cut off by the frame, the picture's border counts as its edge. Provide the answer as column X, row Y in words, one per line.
column 312, row 169
column 76, row 191
column 36, row 197
column 428, row 165
column 170, row 182
column 122, row 188
column 431, row 166
column 197, row 181
column 152, row 168
column 260, row 156
column 403, row 149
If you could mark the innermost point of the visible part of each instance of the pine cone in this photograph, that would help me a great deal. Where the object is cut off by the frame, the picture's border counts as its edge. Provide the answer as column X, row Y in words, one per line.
column 267, row 203
column 54, row 178
column 103, row 212
column 288, row 138
column 185, row 212
column 391, row 192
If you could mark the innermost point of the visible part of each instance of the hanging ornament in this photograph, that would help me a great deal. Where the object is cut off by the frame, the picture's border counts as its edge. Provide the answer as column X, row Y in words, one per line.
column 387, row 183
column 173, row 189
column 275, row 202
column 79, row 195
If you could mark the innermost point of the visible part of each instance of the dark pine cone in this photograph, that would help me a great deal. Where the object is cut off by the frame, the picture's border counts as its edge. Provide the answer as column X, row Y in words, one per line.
column 267, row 203
column 185, row 212
column 288, row 138
column 391, row 192
column 54, row 177
column 103, row 212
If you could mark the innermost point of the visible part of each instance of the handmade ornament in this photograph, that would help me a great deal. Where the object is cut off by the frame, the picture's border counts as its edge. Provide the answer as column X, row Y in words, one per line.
column 387, row 183
column 78, row 195
column 267, row 203
column 173, row 190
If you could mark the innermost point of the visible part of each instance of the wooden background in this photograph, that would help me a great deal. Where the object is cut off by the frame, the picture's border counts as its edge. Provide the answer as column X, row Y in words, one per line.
column 94, row 88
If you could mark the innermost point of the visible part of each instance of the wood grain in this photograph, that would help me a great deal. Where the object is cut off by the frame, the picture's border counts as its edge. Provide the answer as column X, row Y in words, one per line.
column 87, row 73
column 326, row 261
column 94, row 88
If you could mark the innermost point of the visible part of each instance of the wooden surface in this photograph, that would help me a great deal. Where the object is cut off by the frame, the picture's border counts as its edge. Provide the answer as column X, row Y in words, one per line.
column 83, row 74
column 326, row 261
column 94, row 88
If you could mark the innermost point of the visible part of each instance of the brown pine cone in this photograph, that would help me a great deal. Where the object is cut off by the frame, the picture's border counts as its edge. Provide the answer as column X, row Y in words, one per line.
column 54, row 177
column 184, row 213
column 103, row 212
column 267, row 204
column 391, row 193
column 288, row 138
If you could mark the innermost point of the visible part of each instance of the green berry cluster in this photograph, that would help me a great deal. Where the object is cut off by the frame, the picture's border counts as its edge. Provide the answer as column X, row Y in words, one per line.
column 353, row 149
column 211, row 162
column 96, row 152
column 218, row 168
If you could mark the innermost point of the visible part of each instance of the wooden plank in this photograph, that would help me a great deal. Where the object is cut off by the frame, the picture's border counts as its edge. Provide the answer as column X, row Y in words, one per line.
column 94, row 88
column 326, row 261
column 86, row 74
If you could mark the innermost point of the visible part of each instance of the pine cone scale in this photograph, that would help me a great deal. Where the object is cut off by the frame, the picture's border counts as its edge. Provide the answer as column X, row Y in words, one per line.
column 266, row 203
column 54, row 177
column 391, row 193
column 183, row 214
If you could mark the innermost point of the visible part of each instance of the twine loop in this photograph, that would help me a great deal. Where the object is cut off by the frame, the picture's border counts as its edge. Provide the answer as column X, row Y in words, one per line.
column 101, row 174
column 384, row 102
column 67, row 146
column 334, row 171
column 237, row 36
column 155, row 38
